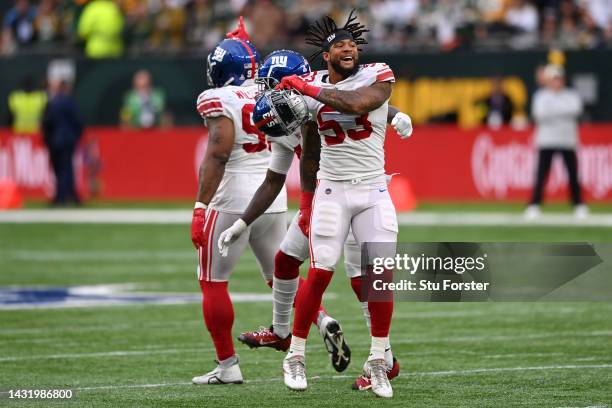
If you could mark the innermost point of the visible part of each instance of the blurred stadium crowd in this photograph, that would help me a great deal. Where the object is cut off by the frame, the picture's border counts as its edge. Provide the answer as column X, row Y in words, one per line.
column 107, row 28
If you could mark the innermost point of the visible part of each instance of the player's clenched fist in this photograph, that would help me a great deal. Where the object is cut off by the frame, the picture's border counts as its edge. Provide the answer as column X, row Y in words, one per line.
column 197, row 227
column 305, row 212
column 402, row 125
column 297, row 83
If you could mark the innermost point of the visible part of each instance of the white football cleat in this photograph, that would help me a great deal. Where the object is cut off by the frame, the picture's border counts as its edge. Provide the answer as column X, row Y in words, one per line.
column 532, row 212
column 294, row 373
column 377, row 369
column 221, row 375
column 581, row 212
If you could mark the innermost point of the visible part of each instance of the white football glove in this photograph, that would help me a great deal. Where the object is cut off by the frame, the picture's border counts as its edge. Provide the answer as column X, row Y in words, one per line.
column 402, row 125
column 230, row 235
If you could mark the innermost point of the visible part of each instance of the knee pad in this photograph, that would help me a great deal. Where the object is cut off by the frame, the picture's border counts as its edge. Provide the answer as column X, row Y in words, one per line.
column 285, row 266
column 388, row 217
column 325, row 257
column 326, row 223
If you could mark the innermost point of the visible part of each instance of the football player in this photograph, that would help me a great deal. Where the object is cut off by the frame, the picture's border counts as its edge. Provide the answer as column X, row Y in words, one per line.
column 235, row 163
column 349, row 105
column 294, row 249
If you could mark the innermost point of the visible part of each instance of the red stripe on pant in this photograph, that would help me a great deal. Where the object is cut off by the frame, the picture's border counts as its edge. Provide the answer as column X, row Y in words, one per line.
column 218, row 316
column 308, row 300
column 209, row 244
column 202, row 251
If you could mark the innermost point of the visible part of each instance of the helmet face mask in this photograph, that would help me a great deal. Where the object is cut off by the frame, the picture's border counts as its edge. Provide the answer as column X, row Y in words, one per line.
column 280, row 113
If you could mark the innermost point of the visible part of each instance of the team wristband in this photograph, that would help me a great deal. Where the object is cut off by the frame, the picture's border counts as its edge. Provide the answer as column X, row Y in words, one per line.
column 200, row 205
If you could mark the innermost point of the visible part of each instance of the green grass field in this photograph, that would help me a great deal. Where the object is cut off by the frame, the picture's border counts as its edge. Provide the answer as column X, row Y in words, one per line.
column 451, row 354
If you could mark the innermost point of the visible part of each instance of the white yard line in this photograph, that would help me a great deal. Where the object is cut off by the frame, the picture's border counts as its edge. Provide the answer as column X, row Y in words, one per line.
column 145, row 352
column 343, row 377
column 136, row 216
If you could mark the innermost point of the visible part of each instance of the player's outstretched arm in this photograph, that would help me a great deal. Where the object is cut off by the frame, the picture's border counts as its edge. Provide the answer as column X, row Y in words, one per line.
column 356, row 102
column 218, row 151
column 264, row 196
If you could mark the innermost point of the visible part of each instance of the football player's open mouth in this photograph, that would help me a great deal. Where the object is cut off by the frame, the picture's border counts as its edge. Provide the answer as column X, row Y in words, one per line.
column 347, row 59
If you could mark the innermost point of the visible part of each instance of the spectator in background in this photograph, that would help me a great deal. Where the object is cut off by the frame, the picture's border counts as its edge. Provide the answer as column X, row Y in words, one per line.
column 26, row 106
column 597, row 16
column 169, row 25
column 555, row 110
column 143, row 106
column 62, row 129
column 266, row 23
column 523, row 20
column 47, row 23
column 499, row 106
column 101, row 26
column 18, row 26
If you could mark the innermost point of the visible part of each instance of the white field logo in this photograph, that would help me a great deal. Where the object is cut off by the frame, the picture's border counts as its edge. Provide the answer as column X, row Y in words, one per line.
column 496, row 169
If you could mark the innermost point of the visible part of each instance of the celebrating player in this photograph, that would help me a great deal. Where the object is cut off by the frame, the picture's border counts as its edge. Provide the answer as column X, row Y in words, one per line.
column 234, row 165
column 350, row 104
column 294, row 249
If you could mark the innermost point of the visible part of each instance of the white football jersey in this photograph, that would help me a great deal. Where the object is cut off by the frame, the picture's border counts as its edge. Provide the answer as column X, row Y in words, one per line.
column 248, row 163
column 352, row 146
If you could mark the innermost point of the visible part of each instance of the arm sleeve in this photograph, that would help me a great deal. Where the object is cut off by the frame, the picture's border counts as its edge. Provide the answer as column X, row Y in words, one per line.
column 211, row 104
column 383, row 73
column 281, row 158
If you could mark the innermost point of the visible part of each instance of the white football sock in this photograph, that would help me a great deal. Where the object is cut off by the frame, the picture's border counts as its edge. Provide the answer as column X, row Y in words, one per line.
column 366, row 314
column 228, row 362
column 283, row 295
column 297, row 348
column 377, row 349
column 388, row 355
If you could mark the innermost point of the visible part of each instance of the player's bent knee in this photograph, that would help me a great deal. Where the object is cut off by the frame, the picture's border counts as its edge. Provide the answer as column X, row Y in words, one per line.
column 286, row 266
column 326, row 222
column 325, row 257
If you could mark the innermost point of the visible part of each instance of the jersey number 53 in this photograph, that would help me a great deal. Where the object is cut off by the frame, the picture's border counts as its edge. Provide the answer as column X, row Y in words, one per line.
column 360, row 129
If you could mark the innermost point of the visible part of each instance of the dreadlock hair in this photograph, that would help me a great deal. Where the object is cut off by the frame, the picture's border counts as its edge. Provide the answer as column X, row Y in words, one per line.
column 319, row 32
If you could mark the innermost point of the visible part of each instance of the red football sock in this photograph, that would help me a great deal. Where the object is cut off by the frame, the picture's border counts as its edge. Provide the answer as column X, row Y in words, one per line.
column 356, row 285
column 218, row 316
column 381, row 309
column 286, row 267
column 308, row 300
column 321, row 309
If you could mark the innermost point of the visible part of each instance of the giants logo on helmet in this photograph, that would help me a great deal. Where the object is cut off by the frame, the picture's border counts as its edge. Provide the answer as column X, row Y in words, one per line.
column 219, row 54
column 279, row 60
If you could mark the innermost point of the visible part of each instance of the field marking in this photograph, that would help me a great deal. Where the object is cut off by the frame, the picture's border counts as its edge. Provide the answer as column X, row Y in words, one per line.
column 143, row 216
column 343, row 377
column 141, row 352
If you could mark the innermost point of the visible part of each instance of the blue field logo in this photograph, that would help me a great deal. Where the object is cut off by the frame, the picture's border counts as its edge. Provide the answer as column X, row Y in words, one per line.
column 14, row 298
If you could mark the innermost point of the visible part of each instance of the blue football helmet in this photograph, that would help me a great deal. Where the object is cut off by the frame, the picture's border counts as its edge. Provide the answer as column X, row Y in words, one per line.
column 278, row 65
column 279, row 113
column 232, row 62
